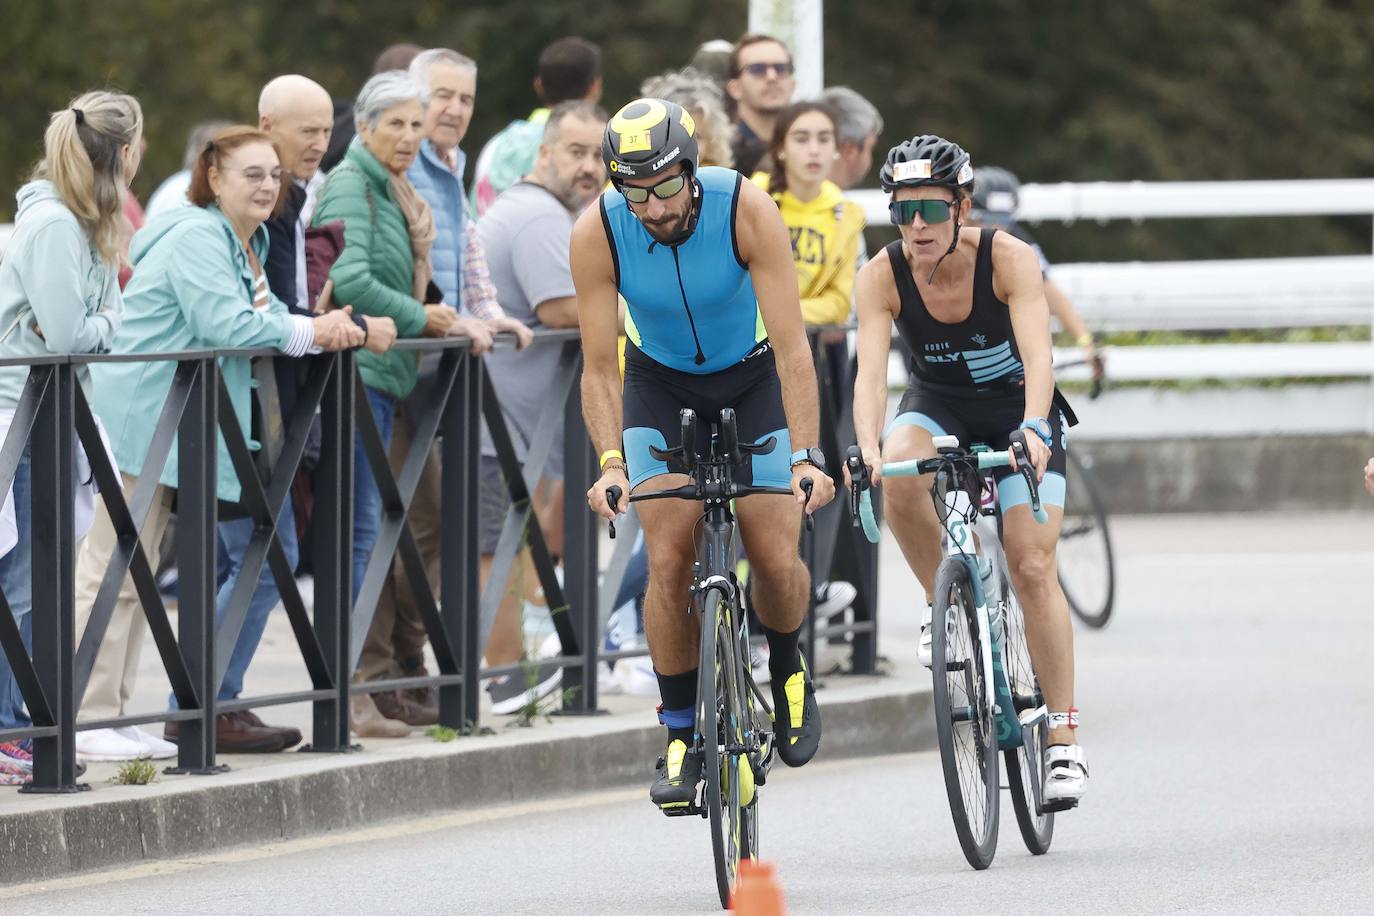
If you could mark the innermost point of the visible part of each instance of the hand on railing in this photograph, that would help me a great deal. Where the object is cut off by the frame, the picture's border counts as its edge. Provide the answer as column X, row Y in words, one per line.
column 506, row 324
column 476, row 331
column 381, row 333
column 337, row 330
column 438, row 319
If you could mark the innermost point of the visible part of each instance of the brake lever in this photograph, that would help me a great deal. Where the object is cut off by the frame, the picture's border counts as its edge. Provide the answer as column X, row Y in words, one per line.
column 1027, row 471
column 806, row 484
column 613, row 494
column 858, row 481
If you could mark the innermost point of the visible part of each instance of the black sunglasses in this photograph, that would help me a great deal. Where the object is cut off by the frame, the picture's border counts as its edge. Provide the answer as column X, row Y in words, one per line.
column 761, row 70
column 665, row 189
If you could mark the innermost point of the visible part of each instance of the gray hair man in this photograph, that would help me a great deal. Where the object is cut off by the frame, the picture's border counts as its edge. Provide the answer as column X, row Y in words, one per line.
column 526, row 234
column 858, row 125
column 395, row 644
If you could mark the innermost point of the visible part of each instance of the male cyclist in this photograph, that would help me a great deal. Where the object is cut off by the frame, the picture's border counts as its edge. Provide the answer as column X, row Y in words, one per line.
column 971, row 306
column 704, row 262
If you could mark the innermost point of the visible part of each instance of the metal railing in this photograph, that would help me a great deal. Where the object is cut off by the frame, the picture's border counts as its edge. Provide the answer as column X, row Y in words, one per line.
column 53, row 415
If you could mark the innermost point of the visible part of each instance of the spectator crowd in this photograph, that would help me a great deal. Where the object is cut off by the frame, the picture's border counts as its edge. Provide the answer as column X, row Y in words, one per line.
column 330, row 224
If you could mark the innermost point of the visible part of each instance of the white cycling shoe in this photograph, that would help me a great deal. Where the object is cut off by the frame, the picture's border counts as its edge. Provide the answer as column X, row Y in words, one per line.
column 1066, row 766
column 923, row 646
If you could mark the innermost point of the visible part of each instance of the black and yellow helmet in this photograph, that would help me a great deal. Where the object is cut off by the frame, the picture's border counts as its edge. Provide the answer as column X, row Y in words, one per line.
column 646, row 137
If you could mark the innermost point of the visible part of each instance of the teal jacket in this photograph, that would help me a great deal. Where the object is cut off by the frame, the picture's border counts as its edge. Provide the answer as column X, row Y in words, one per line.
column 192, row 288
column 376, row 270
column 52, row 278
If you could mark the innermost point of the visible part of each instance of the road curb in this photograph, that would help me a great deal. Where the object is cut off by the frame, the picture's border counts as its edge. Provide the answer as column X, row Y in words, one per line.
column 316, row 795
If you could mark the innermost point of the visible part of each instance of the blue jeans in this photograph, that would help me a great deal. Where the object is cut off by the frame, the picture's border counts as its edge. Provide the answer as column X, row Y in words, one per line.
column 16, row 578
column 234, row 537
column 367, row 499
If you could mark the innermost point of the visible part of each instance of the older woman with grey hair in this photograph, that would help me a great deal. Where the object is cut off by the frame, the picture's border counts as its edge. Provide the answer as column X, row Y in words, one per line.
column 384, row 269
column 705, row 102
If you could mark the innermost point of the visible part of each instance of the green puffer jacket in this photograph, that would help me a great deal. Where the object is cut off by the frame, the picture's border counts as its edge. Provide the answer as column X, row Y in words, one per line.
column 376, row 270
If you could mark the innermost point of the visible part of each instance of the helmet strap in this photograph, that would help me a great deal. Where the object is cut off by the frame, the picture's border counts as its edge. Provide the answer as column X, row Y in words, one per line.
column 953, row 244
column 692, row 218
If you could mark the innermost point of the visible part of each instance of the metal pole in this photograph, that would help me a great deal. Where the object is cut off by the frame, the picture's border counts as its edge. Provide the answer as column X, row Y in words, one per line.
column 334, row 554
column 797, row 24
column 580, row 561
column 197, row 514
column 54, row 578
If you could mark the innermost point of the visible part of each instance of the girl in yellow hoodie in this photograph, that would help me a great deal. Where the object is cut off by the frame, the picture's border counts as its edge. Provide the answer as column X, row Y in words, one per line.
column 824, row 226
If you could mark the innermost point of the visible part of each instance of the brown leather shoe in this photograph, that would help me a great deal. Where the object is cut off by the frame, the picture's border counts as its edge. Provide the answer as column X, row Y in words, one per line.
column 394, row 704
column 368, row 722
column 242, row 732
column 423, row 701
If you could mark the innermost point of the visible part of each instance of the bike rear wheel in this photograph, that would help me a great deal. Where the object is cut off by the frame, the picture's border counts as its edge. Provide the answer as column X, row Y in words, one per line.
column 1026, row 762
column 1087, row 568
column 721, row 714
column 964, row 723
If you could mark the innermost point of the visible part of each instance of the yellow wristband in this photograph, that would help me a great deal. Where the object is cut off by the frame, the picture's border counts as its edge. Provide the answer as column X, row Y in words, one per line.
column 608, row 455
column 1085, row 340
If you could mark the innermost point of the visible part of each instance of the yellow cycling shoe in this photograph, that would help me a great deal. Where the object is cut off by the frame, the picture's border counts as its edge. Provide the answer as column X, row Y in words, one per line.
column 796, row 717
column 679, row 771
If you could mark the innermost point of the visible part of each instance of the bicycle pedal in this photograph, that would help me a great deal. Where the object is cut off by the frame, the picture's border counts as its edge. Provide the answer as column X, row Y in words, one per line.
column 691, row 810
column 1062, row 804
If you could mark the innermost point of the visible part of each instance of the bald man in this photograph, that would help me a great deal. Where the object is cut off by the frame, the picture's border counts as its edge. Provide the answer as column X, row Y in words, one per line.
column 298, row 115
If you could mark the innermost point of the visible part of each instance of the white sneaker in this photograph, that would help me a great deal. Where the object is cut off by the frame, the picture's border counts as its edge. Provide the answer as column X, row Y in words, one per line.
column 758, row 663
column 834, row 597
column 923, row 646
column 1066, row 773
column 636, row 676
column 106, row 744
column 156, row 748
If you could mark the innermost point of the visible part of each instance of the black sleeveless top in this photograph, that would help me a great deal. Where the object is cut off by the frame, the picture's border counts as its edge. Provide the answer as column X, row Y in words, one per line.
column 976, row 353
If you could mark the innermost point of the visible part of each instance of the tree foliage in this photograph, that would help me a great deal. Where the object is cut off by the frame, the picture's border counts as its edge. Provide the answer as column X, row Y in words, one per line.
column 1148, row 90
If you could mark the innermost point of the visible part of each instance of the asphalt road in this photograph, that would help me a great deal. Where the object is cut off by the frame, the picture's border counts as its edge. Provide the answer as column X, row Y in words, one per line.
column 1224, row 712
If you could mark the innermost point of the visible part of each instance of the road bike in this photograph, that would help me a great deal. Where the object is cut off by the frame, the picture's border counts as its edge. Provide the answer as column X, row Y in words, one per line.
column 733, row 731
column 986, row 695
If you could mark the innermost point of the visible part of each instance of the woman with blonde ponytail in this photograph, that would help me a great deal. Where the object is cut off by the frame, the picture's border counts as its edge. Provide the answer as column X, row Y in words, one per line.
column 59, row 293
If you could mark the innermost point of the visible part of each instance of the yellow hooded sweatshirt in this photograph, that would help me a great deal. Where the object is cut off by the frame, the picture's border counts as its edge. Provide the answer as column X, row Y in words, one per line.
column 825, row 248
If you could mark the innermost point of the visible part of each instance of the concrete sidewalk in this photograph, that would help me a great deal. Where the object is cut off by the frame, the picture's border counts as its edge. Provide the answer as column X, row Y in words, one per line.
column 265, row 798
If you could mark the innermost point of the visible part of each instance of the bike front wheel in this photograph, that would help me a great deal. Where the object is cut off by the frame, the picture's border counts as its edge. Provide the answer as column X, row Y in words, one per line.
column 964, row 722
column 721, row 714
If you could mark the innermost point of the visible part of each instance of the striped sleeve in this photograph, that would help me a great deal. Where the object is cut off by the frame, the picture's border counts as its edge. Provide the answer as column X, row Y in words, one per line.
column 479, row 294
column 302, row 336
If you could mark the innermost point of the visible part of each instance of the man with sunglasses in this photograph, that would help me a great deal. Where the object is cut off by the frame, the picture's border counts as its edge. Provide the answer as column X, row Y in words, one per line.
column 704, row 263
column 761, row 85
column 971, row 306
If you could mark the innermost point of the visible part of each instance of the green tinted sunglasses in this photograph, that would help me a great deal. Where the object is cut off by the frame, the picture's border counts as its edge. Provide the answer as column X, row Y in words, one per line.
column 902, row 212
column 663, row 190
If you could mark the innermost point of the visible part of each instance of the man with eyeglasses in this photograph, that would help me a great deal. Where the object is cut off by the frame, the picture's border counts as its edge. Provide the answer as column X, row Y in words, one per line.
column 704, row 263
column 760, row 85
column 970, row 304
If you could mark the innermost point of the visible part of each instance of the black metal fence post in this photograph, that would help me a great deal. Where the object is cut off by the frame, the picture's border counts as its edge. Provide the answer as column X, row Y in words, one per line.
column 334, row 553
column 54, row 589
column 580, row 554
column 197, row 554
column 460, row 454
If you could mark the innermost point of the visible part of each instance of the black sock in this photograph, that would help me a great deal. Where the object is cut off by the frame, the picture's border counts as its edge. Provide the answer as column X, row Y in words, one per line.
column 679, row 695
column 784, row 653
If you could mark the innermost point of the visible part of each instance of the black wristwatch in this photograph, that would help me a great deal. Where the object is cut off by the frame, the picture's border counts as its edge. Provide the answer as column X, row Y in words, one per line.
column 812, row 456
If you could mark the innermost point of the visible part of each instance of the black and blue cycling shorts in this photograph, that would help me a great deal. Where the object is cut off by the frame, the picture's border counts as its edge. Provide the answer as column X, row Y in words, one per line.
column 654, row 396
column 987, row 418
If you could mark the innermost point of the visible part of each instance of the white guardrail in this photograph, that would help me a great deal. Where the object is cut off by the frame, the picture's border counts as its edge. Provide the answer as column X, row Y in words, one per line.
column 1205, row 295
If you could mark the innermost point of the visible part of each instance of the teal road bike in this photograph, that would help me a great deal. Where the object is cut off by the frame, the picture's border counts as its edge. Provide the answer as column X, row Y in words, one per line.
column 986, row 696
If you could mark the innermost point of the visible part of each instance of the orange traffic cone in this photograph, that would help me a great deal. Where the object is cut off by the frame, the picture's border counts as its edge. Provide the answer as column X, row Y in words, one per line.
column 758, row 891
